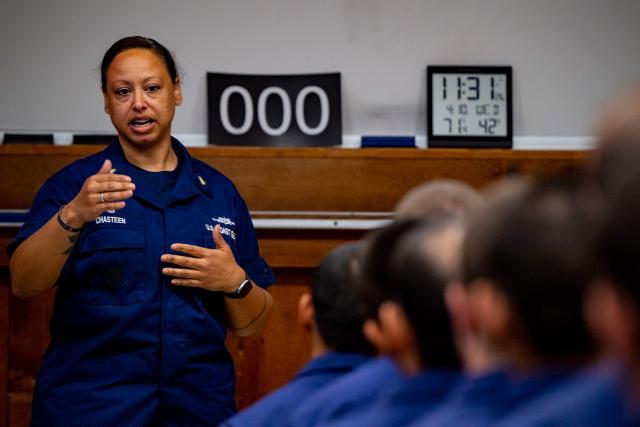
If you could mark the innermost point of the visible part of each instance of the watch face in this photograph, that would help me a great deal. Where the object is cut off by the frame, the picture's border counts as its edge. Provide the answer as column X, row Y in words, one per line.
column 244, row 288
column 469, row 106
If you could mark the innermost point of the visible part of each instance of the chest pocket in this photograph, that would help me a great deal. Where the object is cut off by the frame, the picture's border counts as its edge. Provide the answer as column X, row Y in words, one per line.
column 109, row 266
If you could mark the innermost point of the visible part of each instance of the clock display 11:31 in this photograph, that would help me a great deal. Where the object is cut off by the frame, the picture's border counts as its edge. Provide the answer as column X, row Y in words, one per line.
column 469, row 87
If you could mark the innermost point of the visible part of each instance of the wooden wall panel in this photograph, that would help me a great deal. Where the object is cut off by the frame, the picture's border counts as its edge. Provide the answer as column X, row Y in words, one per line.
column 301, row 248
column 270, row 360
column 19, row 409
column 366, row 180
column 28, row 339
column 307, row 178
column 4, row 344
column 24, row 168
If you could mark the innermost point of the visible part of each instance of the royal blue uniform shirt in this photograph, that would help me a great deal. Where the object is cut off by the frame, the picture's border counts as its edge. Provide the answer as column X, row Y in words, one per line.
column 274, row 408
column 347, row 394
column 593, row 398
column 127, row 347
column 488, row 399
column 398, row 406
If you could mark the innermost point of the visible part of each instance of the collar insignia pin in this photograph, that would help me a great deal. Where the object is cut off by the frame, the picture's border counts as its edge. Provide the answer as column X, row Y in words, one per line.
column 202, row 181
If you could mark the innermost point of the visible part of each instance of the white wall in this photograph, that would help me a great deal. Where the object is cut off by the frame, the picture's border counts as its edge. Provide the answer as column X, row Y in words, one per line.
column 567, row 55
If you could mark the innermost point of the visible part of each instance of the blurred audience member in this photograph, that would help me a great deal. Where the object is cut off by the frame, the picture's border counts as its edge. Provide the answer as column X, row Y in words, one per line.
column 528, row 258
column 414, row 326
column 435, row 199
column 439, row 198
column 618, row 140
column 334, row 314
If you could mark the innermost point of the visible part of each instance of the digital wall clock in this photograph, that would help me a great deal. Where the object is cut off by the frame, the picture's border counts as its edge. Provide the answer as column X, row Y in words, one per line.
column 469, row 106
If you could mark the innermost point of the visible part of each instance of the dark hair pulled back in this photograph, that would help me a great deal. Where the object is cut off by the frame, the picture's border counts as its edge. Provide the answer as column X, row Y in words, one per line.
column 137, row 42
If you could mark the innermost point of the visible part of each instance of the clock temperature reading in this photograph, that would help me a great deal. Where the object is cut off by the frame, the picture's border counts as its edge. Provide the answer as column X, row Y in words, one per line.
column 469, row 104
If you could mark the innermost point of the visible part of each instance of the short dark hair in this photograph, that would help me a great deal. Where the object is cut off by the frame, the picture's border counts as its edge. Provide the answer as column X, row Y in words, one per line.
column 374, row 276
column 338, row 306
column 619, row 243
column 538, row 247
column 137, row 42
column 421, row 272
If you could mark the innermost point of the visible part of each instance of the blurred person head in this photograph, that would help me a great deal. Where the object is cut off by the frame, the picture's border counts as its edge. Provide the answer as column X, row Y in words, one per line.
column 439, row 198
column 334, row 310
column 434, row 200
column 618, row 140
column 414, row 324
column 612, row 305
column 528, row 257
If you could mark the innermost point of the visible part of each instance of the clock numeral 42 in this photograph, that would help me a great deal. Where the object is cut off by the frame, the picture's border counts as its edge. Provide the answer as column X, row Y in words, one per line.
column 488, row 125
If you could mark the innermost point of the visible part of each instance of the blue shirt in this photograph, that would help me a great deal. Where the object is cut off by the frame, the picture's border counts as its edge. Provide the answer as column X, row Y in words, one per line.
column 127, row 347
column 347, row 394
column 399, row 405
column 592, row 398
column 487, row 399
column 273, row 409
column 163, row 182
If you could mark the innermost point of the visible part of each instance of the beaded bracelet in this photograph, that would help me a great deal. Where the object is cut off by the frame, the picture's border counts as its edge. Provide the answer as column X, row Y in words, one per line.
column 64, row 224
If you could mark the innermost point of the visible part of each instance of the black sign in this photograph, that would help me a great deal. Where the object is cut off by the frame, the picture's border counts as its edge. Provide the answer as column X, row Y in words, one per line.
column 275, row 111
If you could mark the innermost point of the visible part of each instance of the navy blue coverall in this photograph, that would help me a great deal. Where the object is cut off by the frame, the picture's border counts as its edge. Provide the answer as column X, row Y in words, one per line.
column 128, row 348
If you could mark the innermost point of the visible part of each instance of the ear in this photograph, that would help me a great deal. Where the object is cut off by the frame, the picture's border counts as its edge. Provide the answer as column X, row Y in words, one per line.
column 400, row 331
column 373, row 333
column 611, row 318
column 397, row 335
column 490, row 311
column 177, row 92
column 457, row 303
column 106, row 103
column 469, row 340
column 306, row 311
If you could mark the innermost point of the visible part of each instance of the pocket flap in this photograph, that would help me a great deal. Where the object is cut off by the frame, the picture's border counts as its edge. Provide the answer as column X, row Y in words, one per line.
column 112, row 238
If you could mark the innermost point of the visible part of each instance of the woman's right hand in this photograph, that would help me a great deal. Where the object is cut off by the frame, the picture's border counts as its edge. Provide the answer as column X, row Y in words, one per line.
column 101, row 192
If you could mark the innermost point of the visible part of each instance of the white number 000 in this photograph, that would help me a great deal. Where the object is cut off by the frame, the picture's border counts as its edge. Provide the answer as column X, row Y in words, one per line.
column 262, row 110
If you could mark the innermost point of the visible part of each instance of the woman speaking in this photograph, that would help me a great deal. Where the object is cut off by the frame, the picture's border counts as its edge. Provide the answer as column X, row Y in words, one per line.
column 154, row 257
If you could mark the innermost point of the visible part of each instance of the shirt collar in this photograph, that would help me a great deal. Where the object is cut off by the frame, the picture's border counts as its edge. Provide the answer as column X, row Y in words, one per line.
column 332, row 362
column 430, row 384
column 189, row 183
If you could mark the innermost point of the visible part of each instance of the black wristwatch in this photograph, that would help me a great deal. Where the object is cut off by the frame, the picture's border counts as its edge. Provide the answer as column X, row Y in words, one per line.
column 242, row 290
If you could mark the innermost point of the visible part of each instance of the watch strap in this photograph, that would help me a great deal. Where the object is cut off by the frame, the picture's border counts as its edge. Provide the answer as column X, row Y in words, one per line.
column 242, row 290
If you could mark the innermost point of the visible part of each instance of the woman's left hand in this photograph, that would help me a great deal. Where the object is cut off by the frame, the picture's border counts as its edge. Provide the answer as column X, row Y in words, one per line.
column 211, row 269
